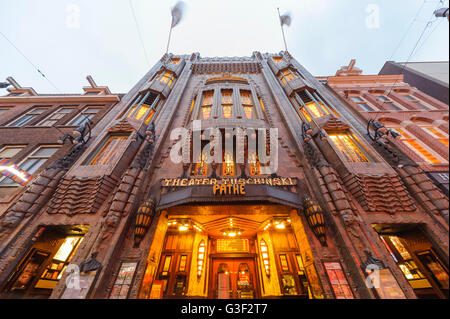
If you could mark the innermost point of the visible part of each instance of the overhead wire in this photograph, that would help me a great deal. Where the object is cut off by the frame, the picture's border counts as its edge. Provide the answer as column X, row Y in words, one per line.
column 26, row 58
column 139, row 32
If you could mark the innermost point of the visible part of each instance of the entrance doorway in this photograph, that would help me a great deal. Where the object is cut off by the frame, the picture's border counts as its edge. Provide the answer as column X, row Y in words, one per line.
column 233, row 278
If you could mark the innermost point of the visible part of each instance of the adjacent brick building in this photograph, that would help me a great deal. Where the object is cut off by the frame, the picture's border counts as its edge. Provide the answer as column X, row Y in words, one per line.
column 301, row 205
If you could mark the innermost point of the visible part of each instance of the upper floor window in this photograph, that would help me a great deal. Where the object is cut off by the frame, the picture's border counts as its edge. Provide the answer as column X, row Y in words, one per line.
column 227, row 103
column 145, row 109
column 166, row 78
column 206, row 106
column 417, row 146
column 417, row 101
column 9, row 151
column 349, row 145
column 201, row 168
column 309, row 106
column 109, row 150
column 3, row 110
column 362, row 103
column 288, row 75
column 247, row 104
column 28, row 116
column 386, row 101
column 175, row 60
column 53, row 118
column 85, row 115
column 32, row 162
column 254, row 163
column 228, row 164
column 440, row 135
column 278, row 59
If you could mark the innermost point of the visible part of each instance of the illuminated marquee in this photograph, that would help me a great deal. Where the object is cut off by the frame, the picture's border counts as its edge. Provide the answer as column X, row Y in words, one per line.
column 184, row 182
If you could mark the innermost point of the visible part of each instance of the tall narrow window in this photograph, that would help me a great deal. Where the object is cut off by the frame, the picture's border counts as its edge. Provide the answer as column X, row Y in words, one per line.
column 145, row 109
column 53, row 118
column 228, row 164
column 28, row 117
column 109, row 150
column 308, row 107
column 206, row 107
column 201, row 168
column 166, row 78
column 254, row 164
column 247, row 104
column 349, row 146
column 288, row 75
column 87, row 114
column 418, row 147
column 227, row 103
column 123, row 281
column 32, row 162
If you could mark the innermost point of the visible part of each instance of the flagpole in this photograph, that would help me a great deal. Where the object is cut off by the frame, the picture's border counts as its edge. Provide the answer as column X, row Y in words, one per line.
column 170, row 34
column 282, row 30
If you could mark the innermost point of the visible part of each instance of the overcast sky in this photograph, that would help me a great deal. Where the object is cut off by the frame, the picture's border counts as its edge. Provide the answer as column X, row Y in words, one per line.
column 68, row 40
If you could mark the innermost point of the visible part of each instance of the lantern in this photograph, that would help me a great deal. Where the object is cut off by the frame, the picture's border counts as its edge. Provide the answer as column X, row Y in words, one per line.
column 201, row 258
column 315, row 217
column 143, row 220
column 265, row 256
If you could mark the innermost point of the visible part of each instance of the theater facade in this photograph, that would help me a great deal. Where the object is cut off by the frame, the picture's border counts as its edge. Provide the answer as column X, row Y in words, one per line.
column 239, row 178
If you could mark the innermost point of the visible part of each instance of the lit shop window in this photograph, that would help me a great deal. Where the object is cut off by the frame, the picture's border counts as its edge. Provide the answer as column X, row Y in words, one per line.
column 108, row 151
column 28, row 117
column 386, row 101
column 87, row 114
column 32, row 162
column 418, row 147
column 166, row 78
column 123, row 281
column 364, row 106
column 288, row 75
column 201, row 168
column 201, row 258
column 247, row 104
column 254, row 164
column 265, row 256
column 53, row 118
column 227, row 104
column 437, row 133
column 206, row 106
column 54, row 271
column 417, row 101
column 228, row 166
column 350, row 147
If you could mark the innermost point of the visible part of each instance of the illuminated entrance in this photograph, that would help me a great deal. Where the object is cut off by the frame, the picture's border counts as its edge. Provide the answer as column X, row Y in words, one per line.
column 244, row 253
column 43, row 265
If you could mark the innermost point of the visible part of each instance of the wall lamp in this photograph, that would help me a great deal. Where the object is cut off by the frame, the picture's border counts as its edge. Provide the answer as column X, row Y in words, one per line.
column 379, row 130
column 79, row 135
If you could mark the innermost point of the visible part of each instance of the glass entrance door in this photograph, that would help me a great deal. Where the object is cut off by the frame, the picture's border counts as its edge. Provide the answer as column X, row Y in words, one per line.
column 234, row 278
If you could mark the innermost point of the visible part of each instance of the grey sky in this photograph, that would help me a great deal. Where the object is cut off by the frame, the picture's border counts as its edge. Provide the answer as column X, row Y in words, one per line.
column 324, row 35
